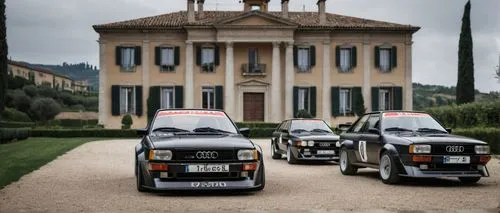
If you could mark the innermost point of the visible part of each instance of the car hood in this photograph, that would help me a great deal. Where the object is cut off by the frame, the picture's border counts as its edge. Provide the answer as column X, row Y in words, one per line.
column 440, row 139
column 319, row 137
column 202, row 141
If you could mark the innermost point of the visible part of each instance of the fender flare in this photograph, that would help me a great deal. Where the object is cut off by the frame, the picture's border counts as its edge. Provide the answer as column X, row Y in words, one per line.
column 390, row 148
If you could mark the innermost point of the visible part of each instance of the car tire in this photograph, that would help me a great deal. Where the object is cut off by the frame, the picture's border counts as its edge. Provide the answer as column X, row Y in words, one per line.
column 139, row 179
column 274, row 154
column 289, row 156
column 388, row 170
column 346, row 168
column 469, row 180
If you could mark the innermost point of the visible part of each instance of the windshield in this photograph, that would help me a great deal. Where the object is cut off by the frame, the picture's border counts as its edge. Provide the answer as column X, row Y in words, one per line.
column 405, row 121
column 193, row 121
column 309, row 126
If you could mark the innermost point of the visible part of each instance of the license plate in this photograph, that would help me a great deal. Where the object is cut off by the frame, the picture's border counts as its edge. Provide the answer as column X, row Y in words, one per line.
column 326, row 152
column 200, row 168
column 456, row 159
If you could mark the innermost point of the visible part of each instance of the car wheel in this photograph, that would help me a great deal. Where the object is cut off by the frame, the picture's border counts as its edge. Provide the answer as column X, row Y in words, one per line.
column 139, row 179
column 345, row 165
column 289, row 156
column 469, row 180
column 388, row 170
column 274, row 153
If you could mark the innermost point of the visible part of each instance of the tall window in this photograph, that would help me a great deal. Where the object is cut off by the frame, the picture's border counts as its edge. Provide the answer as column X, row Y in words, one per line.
column 127, row 100
column 345, row 60
column 385, row 100
column 253, row 60
column 167, row 98
column 303, row 59
column 345, row 101
column 128, row 58
column 167, row 59
column 304, row 99
column 208, row 59
column 385, row 59
column 208, row 96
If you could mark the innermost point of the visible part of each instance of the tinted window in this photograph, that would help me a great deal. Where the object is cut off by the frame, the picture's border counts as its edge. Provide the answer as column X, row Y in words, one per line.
column 357, row 127
column 310, row 125
column 411, row 121
column 373, row 122
column 191, row 119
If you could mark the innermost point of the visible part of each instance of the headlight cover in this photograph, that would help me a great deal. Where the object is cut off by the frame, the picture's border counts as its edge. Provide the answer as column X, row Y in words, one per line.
column 482, row 149
column 248, row 154
column 160, row 155
column 420, row 149
column 310, row 143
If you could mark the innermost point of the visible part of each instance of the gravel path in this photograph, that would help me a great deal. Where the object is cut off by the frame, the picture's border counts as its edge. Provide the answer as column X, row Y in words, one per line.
column 99, row 177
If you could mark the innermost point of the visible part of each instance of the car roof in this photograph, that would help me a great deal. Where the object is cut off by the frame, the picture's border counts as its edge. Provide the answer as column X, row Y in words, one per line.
column 209, row 110
column 302, row 119
column 378, row 112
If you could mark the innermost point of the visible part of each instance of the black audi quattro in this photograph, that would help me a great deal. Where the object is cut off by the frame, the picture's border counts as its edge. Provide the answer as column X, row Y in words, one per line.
column 411, row 144
column 197, row 150
column 304, row 139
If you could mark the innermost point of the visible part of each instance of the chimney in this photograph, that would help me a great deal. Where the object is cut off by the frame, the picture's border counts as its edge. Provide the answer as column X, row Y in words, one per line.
column 201, row 13
column 322, row 11
column 284, row 8
column 190, row 10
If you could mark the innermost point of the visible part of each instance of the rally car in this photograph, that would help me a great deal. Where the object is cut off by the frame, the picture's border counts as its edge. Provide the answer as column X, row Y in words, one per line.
column 197, row 150
column 304, row 140
column 412, row 144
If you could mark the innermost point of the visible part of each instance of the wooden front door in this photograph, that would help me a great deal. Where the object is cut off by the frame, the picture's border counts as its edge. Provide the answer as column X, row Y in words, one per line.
column 253, row 106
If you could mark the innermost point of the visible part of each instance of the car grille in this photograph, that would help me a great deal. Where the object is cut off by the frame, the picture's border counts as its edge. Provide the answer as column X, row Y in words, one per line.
column 324, row 144
column 440, row 149
column 191, row 155
column 451, row 167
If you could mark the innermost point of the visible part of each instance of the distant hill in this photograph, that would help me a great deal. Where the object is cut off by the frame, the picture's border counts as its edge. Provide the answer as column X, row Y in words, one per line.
column 425, row 96
column 80, row 71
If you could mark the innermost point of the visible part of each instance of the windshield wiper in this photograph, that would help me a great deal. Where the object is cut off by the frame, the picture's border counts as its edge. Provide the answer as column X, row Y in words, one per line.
column 398, row 129
column 320, row 130
column 299, row 130
column 431, row 130
column 210, row 129
column 170, row 129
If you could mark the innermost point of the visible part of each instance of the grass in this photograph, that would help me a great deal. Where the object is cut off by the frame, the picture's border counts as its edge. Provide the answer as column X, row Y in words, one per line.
column 22, row 157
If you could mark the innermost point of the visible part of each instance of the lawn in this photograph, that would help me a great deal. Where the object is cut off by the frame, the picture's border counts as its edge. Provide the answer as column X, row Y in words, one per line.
column 20, row 158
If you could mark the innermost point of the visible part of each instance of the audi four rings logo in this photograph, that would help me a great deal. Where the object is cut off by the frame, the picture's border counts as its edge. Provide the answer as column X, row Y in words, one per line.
column 207, row 155
column 324, row 144
column 455, row 148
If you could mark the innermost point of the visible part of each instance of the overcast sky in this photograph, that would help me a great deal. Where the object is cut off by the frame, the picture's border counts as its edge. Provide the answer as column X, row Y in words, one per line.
column 56, row 31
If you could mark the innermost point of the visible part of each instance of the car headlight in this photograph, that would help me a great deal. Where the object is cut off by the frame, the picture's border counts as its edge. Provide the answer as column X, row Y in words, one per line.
column 160, row 155
column 420, row 149
column 310, row 143
column 482, row 150
column 248, row 155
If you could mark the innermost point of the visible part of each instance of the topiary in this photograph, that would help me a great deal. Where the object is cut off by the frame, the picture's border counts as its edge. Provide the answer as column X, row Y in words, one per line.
column 44, row 109
column 30, row 90
column 127, row 121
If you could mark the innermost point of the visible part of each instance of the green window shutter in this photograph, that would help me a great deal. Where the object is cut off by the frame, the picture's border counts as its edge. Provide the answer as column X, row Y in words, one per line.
column 394, row 57
column 179, row 97
column 354, row 57
column 312, row 108
column 217, row 56
column 337, row 56
column 375, row 94
column 398, row 98
column 295, row 56
column 312, row 52
column 377, row 57
column 158, row 56
column 177, row 54
column 115, row 100
column 219, row 97
column 118, row 55
column 154, row 101
column 295, row 101
column 138, row 56
column 335, row 97
column 198, row 55
column 358, row 105
column 138, row 101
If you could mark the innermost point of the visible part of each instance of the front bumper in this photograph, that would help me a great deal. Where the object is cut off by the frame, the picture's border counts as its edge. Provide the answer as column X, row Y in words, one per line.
column 311, row 154
column 160, row 185
column 413, row 171
column 436, row 168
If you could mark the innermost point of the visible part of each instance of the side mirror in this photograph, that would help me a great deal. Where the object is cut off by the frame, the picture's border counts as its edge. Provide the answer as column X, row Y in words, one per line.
column 448, row 130
column 142, row 132
column 245, row 132
column 374, row 131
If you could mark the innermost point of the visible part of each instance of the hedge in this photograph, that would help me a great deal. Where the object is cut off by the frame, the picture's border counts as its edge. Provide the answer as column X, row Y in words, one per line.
column 259, row 125
column 10, row 134
column 261, row 132
column 8, row 124
column 489, row 135
column 481, row 114
column 71, row 133
column 77, row 122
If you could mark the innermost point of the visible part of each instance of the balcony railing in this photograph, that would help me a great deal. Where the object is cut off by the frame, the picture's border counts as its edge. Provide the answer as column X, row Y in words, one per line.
column 253, row 69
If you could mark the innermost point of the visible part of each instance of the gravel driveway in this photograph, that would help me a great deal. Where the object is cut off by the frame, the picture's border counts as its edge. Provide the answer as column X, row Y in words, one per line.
column 99, row 177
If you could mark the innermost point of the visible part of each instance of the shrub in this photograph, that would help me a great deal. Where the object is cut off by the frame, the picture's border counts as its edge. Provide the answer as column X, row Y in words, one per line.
column 30, row 90
column 78, row 107
column 9, row 134
column 127, row 121
column 261, row 132
column 480, row 114
column 10, row 114
column 9, row 124
column 252, row 125
column 21, row 101
column 18, row 82
column 47, row 92
column 68, row 99
column 44, row 109
column 304, row 114
column 71, row 133
column 489, row 135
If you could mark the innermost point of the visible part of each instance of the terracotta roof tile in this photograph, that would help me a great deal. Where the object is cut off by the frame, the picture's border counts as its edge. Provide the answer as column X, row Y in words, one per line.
column 37, row 68
column 304, row 20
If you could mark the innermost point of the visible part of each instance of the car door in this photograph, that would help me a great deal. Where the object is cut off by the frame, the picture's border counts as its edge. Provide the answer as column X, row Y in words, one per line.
column 277, row 133
column 371, row 141
column 354, row 135
column 285, row 135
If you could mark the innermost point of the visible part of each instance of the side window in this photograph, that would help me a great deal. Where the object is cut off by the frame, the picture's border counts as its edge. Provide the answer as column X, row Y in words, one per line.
column 361, row 122
column 287, row 125
column 373, row 122
column 280, row 127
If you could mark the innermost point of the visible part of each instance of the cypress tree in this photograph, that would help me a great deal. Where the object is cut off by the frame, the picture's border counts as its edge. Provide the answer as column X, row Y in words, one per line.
column 3, row 57
column 465, row 82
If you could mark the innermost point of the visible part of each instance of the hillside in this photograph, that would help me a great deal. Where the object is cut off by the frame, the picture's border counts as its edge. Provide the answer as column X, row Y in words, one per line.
column 80, row 71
